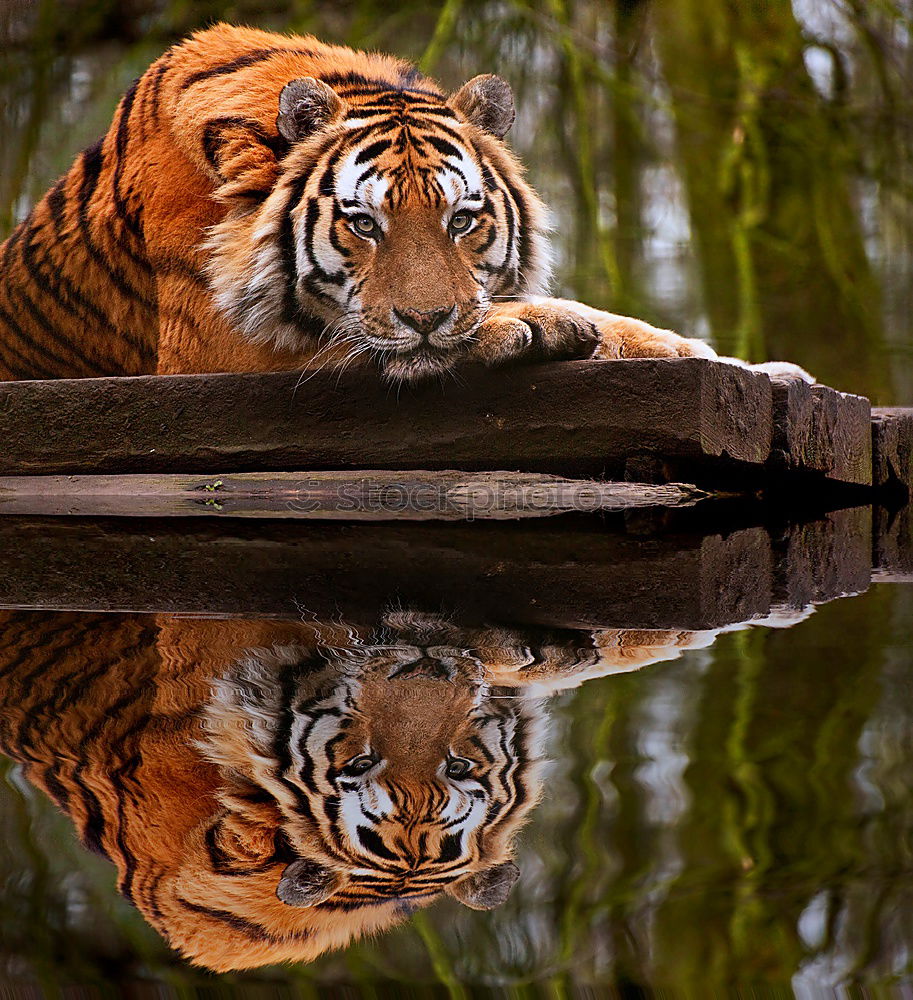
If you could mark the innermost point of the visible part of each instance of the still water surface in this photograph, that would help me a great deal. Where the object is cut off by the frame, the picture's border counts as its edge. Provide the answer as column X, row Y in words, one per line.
column 716, row 805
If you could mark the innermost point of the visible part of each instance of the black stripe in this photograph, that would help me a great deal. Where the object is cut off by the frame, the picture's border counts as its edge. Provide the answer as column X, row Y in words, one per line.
column 155, row 83
column 372, row 842
column 254, row 194
column 152, row 902
column 373, row 151
column 242, row 62
column 92, row 162
column 459, row 139
column 439, row 113
column 57, row 203
column 374, row 84
column 451, row 848
column 290, row 307
column 338, row 217
column 64, row 365
column 28, row 367
column 443, row 146
column 513, row 237
column 326, row 186
column 489, row 240
column 282, row 750
column 364, row 175
column 212, row 138
column 60, row 366
column 120, row 147
column 71, row 300
column 312, row 214
column 55, row 787
column 524, row 245
column 246, row 927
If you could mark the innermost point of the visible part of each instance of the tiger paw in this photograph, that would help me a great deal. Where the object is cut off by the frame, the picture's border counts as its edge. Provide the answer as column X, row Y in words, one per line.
column 563, row 330
column 534, row 331
column 775, row 369
column 784, row 369
column 623, row 337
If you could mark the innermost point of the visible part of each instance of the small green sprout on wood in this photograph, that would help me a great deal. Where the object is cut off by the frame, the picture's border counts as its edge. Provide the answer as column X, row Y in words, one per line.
column 211, row 488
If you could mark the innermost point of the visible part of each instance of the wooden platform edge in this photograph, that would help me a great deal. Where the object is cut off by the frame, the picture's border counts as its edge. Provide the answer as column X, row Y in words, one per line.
column 717, row 425
column 892, row 448
column 524, row 572
column 572, row 419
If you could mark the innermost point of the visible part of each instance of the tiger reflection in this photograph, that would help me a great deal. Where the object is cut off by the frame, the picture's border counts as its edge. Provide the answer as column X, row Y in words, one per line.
column 272, row 790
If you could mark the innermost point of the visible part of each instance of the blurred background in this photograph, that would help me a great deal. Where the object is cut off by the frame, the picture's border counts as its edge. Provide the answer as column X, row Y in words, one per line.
column 739, row 171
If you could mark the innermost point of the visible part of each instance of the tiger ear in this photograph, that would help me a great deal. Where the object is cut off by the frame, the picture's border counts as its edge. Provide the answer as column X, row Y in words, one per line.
column 306, row 883
column 488, row 102
column 306, row 106
column 486, row 889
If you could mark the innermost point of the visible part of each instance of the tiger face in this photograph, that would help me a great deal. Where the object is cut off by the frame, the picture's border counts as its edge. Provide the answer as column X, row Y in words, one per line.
column 392, row 777
column 397, row 218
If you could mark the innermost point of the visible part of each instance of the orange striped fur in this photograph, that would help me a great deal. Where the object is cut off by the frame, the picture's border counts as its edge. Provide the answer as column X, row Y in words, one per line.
column 175, row 746
column 211, row 230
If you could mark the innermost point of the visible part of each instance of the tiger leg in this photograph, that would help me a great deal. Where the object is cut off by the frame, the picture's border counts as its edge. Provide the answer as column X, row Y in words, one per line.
column 545, row 329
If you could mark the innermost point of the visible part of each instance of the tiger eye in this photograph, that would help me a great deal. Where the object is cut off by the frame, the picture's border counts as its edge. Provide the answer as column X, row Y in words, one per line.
column 359, row 765
column 460, row 222
column 364, row 225
column 458, row 767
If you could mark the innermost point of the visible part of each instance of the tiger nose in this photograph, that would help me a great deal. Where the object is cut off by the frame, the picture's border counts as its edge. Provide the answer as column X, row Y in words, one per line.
column 424, row 322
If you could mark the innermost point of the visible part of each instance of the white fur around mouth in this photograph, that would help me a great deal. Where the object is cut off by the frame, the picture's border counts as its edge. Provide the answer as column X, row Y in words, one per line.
column 418, row 364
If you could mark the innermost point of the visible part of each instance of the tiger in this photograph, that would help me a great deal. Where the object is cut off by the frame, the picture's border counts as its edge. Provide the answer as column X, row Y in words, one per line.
column 268, row 791
column 266, row 202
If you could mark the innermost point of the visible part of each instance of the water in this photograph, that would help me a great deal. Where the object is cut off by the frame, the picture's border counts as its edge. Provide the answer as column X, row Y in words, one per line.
column 701, row 748
column 712, row 795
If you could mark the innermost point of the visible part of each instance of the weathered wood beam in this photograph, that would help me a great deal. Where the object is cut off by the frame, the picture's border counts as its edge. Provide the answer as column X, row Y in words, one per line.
column 573, row 418
column 825, row 558
column 370, row 495
column 893, row 544
column 522, row 573
column 656, row 420
column 822, row 431
column 533, row 574
column 892, row 445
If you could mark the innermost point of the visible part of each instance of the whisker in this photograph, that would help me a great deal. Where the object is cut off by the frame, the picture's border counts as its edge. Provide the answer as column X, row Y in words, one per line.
column 341, row 331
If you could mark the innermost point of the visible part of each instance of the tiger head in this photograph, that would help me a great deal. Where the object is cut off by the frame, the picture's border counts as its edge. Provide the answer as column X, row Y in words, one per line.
column 270, row 790
column 354, row 789
column 397, row 216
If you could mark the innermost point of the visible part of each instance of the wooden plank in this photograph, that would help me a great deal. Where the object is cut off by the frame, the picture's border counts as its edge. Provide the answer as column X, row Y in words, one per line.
column 893, row 545
column 587, row 573
column 821, row 431
column 820, row 560
column 892, row 447
column 369, row 495
column 572, row 418
column 551, row 573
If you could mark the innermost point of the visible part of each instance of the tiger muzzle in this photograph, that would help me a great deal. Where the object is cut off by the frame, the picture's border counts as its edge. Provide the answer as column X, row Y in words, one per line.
column 424, row 322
